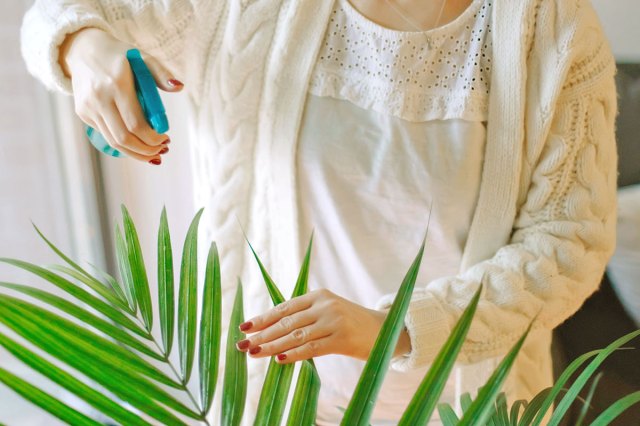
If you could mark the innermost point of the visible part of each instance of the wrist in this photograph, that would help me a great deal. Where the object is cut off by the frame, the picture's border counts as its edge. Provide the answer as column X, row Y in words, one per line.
column 403, row 347
column 73, row 45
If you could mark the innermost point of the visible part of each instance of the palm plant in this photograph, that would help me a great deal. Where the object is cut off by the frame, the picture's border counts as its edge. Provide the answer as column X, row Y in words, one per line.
column 129, row 376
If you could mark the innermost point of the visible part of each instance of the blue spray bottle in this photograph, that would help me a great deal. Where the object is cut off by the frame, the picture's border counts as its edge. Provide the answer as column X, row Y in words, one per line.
column 149, row 99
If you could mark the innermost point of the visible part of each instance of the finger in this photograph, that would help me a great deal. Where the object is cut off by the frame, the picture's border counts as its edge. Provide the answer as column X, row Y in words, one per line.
column 281, row 328
column 311, row 349
column 165, row 80
column 122, row 135
column 104, row 129
column 273, row 315
column 132, row 115
column 296, row 338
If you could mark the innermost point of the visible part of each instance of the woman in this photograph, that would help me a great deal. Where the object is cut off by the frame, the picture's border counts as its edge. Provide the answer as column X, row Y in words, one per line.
column 353, row 118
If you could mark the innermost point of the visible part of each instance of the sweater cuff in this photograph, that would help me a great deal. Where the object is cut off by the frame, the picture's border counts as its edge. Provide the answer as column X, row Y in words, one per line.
column 428, row 329
column 41, row 37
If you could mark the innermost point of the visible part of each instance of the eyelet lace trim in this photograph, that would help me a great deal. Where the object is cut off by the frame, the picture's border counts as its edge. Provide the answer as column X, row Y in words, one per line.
column 417, row 76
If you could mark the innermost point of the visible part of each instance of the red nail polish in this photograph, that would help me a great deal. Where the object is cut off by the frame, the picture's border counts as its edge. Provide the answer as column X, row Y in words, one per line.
column 246, row 326
column 175, row 83
column 168, row 141
column 164, row 150
column 155, row 161
column 255, row 350
column 243, row 344
column 281, row 357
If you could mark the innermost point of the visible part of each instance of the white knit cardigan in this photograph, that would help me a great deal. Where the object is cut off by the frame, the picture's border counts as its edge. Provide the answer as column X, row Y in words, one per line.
column 544, row 226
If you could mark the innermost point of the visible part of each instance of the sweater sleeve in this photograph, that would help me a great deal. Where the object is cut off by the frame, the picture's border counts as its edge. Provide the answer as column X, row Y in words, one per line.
column 563, row 235
column 158, row 27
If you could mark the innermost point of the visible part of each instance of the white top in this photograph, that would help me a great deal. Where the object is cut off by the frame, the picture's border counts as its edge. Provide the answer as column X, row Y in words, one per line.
column 393, row 121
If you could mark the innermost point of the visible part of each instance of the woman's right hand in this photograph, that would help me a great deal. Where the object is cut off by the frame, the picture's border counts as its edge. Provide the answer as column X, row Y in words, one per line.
column 104, row 92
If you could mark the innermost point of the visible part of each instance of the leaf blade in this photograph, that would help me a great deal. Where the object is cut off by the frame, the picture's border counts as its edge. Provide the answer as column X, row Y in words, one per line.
column 45, row 401
column 138, row 270
column 84, row 316
column 617, row 408
column 234, row 391
column 210, row 329
column 78, row 293
column 275, row 391
column 305, row 399
column 123, row 382
column 481, row 408
column 73, row 385
column 580, row 382
column 362, row 402
column 188, row 299
column 166, row 292
column 425, row 400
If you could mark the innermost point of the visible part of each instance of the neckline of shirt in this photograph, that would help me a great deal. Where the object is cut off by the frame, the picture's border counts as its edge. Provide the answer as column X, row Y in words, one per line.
column 379, row 29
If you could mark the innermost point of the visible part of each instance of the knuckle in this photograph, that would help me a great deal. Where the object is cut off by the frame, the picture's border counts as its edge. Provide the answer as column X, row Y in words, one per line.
column 286, row 323
column 282, row 307
column 299, row 334
column 136, row 125
column 314, row 348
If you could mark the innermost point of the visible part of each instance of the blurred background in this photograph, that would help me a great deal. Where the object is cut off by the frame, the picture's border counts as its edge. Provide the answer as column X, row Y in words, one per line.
column 51, row 176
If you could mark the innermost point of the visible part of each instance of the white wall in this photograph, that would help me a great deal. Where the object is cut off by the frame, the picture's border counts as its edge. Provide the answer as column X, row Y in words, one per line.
column 620, row 19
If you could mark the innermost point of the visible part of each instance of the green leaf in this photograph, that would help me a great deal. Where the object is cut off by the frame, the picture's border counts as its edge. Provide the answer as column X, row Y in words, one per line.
column 278, row 380
column 122, row 256
column 481, row 409
column 587, row 402
column 426, row 398
column 502, row 415
column 273, row 397
column 305, row 399
column 166, row 293
column 113, row 374
column 45, row 401
column 112, row 283
column 580, row 382
column 210, row 329
column 116, row 290
column 80, row 294
column 447, row 415
column 234, row 391
column 84, row 316
column 95, row 285
column 465, row 401
column 556, row 389
column 93, row 345
column 274, row 292
column 617, row 408
column 138, row 270
column 534, row 407
column 70, row 383
column 515, row 411
column 303, row 277
column 188, row 299
column 364, row 397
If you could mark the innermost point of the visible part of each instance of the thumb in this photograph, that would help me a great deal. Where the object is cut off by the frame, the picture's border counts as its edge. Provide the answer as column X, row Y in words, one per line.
column 163, row 77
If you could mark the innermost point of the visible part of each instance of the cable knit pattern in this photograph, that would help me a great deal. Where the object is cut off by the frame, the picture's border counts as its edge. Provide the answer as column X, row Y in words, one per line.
column 544, row 228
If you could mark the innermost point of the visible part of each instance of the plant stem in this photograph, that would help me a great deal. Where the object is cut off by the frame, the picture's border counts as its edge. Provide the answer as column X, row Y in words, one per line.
column 179, row 379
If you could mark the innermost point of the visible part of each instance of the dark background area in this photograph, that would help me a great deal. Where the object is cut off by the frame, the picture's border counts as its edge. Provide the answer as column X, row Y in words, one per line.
column 602, row 318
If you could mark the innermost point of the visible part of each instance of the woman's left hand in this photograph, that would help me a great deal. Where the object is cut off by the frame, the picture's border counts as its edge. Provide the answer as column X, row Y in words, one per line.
column 318, row 323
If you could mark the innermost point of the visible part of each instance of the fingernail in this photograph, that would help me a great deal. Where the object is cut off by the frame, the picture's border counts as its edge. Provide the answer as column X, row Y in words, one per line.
column 175, row 83
column 281, row 357
column 164, row 150
column 255, row 350
column 246, row 326
column 168, row 141
column 155, row 161
column 243, row 344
